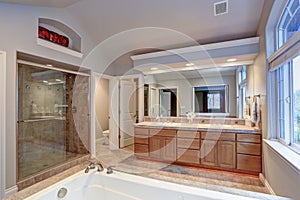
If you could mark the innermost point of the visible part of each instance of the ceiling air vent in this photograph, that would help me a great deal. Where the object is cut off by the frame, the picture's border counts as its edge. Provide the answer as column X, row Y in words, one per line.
column 221, row 8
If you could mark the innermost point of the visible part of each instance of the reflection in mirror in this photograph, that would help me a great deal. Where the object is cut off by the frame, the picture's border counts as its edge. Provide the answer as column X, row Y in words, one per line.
column 168, row 102
column 210, row 99
column 207, row 92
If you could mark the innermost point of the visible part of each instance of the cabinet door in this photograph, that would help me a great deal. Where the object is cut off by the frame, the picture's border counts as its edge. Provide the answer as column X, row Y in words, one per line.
column 168, row 149
column 155, row 147
column 226, row 154
column 188, row 156
column 208, row 152
column 141, row 150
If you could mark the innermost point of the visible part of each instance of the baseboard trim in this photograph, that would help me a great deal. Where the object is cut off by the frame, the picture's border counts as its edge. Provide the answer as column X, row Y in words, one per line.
column 266, row 183
column 11, row 190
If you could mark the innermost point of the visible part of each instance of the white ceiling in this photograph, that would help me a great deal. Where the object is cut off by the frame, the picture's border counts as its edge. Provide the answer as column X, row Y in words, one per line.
column 102, row 19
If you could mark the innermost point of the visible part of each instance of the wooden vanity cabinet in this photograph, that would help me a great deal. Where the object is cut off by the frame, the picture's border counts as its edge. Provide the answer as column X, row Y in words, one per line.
column 141, row 142
column 239, row 152
column 218, row 149
column 162, row 145
column 188, row 144
column 249, row 152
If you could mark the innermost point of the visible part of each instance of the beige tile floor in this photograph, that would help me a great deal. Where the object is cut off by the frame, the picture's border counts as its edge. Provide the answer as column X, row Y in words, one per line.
column 124, row 160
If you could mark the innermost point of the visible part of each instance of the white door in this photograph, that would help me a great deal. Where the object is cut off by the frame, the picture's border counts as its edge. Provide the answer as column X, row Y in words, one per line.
column 128, row 105
column 165, row 101
column 154, row 102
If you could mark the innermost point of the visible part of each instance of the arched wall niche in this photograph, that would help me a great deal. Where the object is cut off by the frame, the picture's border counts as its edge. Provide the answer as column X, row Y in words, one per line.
column 62, row 29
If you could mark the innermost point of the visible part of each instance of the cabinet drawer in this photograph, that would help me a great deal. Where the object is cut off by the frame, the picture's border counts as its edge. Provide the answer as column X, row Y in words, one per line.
column 188, row 156
column 188, row 134
column 249, row 163
column 141, row 150
column 163, row 132
column 141, row 131
column 141, row 139
column 218, row 136
column 188, row 143
column 249, row 148
column 248, row 138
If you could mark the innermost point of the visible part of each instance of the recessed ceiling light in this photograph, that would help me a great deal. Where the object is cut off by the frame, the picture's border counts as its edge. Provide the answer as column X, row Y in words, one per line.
column 49, row 65
column 154, row 68
column 231, row 60
column 58, row 80
column 45, row 81
column 189, row 64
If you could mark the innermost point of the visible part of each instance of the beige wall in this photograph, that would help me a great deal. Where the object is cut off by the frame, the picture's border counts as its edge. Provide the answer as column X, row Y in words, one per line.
column 101, row 105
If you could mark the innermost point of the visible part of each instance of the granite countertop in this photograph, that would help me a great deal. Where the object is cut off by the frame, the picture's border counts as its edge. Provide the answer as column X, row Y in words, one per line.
column 200, row 127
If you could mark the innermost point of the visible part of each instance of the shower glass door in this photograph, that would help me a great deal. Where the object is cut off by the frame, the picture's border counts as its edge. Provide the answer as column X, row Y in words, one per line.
column 48, row 133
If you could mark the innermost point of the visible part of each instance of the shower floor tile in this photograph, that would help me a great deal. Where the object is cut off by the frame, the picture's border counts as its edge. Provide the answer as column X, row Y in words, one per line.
column 34, row 158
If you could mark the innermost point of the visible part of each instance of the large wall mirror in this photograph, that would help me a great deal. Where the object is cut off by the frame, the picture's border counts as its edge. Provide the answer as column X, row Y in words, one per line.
column 207, row 92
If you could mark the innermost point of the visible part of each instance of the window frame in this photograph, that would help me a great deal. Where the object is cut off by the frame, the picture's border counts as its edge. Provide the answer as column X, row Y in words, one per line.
column 284, row 86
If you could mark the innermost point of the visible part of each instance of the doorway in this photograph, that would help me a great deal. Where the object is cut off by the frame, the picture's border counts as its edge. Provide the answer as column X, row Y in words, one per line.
column 168, row 102
column 102, row 110
column 2, row 121
column 128, row 111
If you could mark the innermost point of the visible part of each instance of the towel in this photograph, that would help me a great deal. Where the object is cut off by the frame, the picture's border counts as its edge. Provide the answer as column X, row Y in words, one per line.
column 255, row 113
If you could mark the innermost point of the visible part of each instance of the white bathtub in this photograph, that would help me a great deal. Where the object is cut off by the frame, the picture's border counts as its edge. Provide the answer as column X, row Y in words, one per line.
column 122, row 186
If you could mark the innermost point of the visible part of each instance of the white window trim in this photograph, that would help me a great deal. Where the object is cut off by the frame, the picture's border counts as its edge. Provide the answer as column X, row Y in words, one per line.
column 288, row 51
column 291, row 157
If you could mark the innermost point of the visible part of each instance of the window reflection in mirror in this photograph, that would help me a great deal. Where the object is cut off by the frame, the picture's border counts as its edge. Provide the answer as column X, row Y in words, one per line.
column 211, row 99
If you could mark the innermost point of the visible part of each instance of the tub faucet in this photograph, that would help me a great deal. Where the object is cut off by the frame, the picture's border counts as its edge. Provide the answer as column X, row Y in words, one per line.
column 99, row 167
column 110, row 170
column 90, row 166
column 93, row 166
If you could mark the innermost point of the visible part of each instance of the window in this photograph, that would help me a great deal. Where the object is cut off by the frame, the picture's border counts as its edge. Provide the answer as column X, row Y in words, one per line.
column 242, row 86
column 210, row 99
column 289, row 22
column 296, row 100
column 286, row 66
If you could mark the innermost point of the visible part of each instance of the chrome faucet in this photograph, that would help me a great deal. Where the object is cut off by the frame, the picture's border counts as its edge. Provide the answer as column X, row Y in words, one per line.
column 99, row 167
column 110, row 170
column 93, row 166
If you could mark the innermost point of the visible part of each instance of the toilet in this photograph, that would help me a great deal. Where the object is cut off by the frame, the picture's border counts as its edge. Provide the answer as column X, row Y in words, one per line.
column 106, row 136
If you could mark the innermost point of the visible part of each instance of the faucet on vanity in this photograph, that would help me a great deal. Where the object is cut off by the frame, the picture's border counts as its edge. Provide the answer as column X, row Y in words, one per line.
column 93, row 166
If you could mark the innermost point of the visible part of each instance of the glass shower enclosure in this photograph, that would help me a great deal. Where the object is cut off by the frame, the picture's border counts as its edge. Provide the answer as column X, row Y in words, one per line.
column 53, row 118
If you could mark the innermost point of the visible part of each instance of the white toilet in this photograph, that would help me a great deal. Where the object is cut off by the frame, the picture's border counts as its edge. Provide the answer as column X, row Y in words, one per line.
column 106, row 136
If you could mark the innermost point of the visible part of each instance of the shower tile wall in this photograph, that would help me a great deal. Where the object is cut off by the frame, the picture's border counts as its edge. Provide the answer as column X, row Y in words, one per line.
column 77, row 140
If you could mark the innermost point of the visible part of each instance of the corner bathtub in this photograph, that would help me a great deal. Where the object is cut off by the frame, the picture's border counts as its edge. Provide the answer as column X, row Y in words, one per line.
column 122, row 186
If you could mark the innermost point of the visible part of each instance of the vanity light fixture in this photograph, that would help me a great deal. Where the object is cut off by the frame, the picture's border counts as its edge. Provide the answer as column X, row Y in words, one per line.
column 189, row 64
column 154, row 68
column 231, row 60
